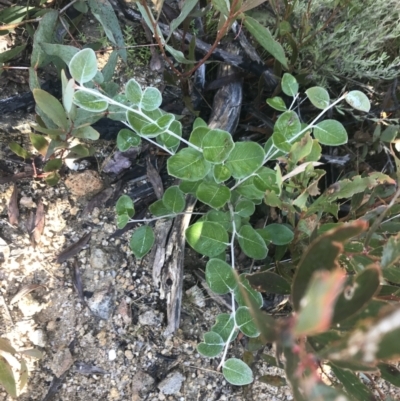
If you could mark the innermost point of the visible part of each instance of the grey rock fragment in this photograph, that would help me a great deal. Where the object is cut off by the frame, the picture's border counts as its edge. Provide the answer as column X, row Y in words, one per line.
column 172, row 383
column 149, row 318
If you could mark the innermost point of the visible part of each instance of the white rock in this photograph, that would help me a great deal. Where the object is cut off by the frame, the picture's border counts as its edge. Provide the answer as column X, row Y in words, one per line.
column 112, row 355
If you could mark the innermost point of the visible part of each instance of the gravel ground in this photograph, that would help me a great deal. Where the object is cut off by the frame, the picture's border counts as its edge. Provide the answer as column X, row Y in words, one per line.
column 110, row 344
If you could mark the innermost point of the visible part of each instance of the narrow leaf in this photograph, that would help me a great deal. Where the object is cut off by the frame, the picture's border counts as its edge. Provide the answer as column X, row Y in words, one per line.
column 266, row 40
column 51, row 107
column 7, row 379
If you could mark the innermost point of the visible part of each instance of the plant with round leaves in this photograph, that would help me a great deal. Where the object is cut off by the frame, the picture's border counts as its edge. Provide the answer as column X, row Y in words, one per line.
column 232, row 178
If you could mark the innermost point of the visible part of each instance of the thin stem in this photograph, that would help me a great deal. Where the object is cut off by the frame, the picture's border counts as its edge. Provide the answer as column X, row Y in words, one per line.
column 391, row 218
column 137, row 111
column 232, row 246
column 294, row 100
column 378, row 221
column 273, row 150
column 153, row 142
column 67, row 6
column 164, row 217
column 14, row 25
column 269, row 156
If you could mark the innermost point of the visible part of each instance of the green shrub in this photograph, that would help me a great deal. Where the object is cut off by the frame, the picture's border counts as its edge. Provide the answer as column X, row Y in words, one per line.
column 353, row 39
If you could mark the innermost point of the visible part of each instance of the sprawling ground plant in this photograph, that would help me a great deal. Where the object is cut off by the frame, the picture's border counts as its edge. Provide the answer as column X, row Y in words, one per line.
column 336, row 276
column 342, row 275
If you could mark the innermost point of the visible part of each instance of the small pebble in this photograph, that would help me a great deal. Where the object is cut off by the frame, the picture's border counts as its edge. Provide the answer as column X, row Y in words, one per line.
column 112, row 355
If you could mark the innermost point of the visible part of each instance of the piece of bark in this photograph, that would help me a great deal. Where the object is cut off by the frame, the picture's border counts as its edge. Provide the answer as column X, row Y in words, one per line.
column 77, row 281
column 168, row 265
column 25, row 290
column 154, row 178
column 73, row 249
column 172, row 274
column 13, row 211
column 97, row 201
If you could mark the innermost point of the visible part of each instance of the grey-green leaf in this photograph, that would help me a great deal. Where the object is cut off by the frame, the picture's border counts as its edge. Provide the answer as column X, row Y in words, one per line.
column 331, row 133
column 86, row 132
column 220, row 276
column 65, row 52
column 89, row 102
column 133, row 92
column 245, row 322
column 127, row 139
column 217, row 144
column 289, row 85
column 213, row 194
column 252, row 243
column 224, row 326
column 288, row 125
column 142, row 241
column 318, row 96
column 208, row 238
column 245, row 159
column 358, row 101
column 212, row 345
column 151, row 99
column 83, row 66
column 237, row 372
column 245, row 293
column 105, row 14
column 277, row 103
column 278, row 234
column 125, row 205
column 174, row 199
column 245, row 208
column 188, row 164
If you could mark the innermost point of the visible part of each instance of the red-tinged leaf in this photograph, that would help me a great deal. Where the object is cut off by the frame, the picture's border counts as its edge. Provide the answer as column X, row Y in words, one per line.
column 357, row 292
column 390, row 373
column 391, row 252
column 317, row 305
column 269, row 282
column 13, row 211
column 323, row 254
column 354, row 387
